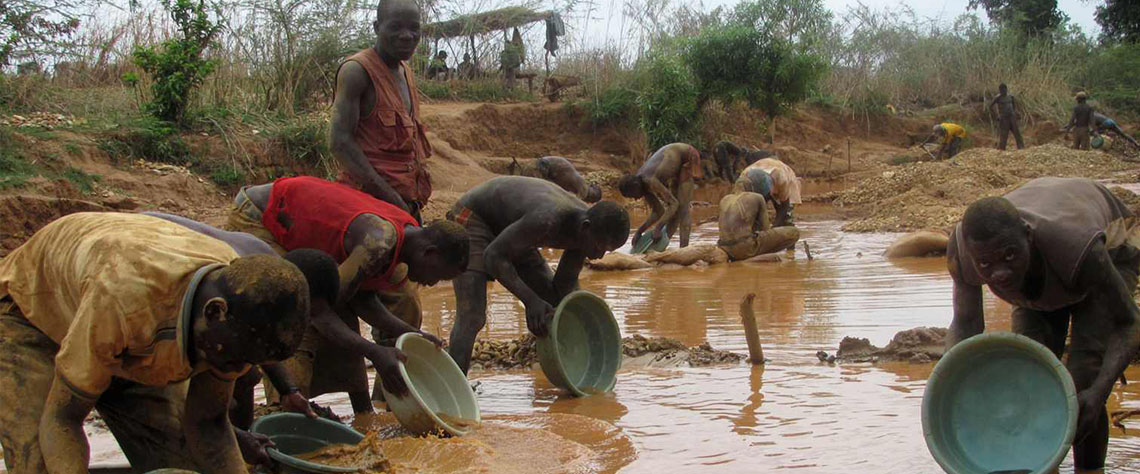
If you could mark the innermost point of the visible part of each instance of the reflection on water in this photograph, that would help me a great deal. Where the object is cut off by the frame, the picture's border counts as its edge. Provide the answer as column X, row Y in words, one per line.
column 795, row 413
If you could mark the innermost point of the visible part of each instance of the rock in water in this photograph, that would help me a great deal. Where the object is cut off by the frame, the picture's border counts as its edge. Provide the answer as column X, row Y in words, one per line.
column 918, row 244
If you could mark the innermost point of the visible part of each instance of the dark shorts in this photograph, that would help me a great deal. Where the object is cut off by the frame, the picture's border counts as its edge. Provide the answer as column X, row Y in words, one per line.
column 480, row 235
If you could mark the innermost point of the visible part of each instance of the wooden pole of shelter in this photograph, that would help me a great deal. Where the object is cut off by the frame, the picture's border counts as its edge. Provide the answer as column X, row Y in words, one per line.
column 748, row 318
column 474, row 57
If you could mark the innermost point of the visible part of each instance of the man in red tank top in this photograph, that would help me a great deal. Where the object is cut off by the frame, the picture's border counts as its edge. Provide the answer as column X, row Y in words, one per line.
column 376, row 132
column 379, row 248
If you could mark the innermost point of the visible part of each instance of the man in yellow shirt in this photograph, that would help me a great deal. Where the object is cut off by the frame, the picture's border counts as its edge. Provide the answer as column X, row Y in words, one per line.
column 951, row 135
column 146, row 321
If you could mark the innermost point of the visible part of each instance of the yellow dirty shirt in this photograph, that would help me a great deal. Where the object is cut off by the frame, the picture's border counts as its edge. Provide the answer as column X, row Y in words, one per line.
column 953, row 131
column 115, row 292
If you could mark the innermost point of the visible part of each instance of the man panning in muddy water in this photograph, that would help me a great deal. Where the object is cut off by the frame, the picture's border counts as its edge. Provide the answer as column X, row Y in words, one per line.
column 507, row 219
column 666, row 183
column 1061, row 251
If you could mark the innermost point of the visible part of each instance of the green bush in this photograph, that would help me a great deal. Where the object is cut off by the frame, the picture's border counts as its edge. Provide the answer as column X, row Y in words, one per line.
column 14, row 169
column 83, row 181
column 615, row 105
column 1111, row 77
column 303, row 140
column 227, row 176
column 178, row 66
column 744, row 63
column 148, row 139
column 667, row 99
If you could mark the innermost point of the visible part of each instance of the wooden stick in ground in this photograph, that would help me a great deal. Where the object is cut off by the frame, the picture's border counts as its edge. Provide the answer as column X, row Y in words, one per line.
column 748, row 318
column 807, row 250
column 848, row 155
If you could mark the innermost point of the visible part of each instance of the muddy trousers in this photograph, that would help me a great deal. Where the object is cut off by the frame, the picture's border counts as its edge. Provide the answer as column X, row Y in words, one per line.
column 146, row 421
column 1089, row 340
column 1005, row 127
column 1081, row 138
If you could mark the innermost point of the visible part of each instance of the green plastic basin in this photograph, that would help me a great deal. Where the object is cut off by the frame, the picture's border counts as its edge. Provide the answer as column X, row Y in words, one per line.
column 646, row 243
column 582, row 352
column 295, row 434
column 999, row 402
column 436, row 387
column 1097, row 142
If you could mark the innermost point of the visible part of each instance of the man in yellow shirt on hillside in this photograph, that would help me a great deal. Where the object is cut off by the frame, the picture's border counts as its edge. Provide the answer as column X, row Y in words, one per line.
column 951, row 135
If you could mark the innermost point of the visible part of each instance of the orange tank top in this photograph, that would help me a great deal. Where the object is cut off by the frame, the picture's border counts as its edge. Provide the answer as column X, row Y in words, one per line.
column 393, row 140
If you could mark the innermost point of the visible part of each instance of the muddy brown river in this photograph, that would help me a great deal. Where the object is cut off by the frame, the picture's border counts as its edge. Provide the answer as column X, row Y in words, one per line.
column 793, row 414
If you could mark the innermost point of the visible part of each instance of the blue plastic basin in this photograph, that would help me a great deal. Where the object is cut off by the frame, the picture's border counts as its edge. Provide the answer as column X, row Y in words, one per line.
column 999, row 402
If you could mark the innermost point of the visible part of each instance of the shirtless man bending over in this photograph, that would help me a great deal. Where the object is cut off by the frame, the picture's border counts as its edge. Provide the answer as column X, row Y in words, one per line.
column 507, row 219
column 666, row 183
column 560, row 171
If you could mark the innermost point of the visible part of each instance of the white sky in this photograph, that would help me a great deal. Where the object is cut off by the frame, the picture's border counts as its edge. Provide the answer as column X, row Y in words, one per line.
column 607, row 22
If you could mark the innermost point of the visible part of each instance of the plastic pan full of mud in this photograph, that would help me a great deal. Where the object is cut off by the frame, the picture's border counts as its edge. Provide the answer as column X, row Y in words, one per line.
column 296, row 434
column 999, row 402
column 582, row 353
column 439, row 396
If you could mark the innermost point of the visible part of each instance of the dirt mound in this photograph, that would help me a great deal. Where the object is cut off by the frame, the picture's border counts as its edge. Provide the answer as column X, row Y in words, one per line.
column 933, row 195
column 654, row 351
column 918, row 345
column 22, row 216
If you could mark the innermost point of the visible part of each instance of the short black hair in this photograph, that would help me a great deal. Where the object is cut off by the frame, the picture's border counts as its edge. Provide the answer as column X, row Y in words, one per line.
column 1002, row 87
column 267, row 301
column 381, row 4
column 631, row 185
column 991, row 217
column 321, row 273
column 610, row 221
column 593, row 193
column 451, row 240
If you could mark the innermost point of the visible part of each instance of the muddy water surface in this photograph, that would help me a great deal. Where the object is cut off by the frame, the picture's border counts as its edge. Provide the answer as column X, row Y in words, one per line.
column 793, row 414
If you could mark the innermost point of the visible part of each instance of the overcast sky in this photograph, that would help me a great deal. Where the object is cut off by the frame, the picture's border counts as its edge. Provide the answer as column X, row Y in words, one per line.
column 606, row 21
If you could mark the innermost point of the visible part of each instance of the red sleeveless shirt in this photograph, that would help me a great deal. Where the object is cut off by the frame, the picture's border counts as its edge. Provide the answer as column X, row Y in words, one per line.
column 308, row 212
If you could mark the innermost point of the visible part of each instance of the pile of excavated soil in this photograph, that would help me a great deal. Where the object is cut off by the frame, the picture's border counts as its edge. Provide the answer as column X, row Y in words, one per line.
column 933, row 195
column 918, row 345
column 521, row 353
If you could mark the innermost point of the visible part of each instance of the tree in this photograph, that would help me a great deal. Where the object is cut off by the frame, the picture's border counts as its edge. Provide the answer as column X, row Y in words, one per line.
column 178, row 67
column 1119, row 20
column 667, row 98
column 763, row 69
column 1033, row 17
column 806, row 24
column 29, row 28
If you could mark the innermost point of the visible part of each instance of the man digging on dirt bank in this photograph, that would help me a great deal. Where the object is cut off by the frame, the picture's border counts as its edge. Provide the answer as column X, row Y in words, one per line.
column 1059, row 250
column 145, row 321
column 666, row 183
column 1081, row 122
column 1006, row 106
column 507, row 219
column 952, row 135
column 1104, row 124
column 776, row 182
column 379, row 248
column 745, row 231
column 376, row 132
column 560, row 171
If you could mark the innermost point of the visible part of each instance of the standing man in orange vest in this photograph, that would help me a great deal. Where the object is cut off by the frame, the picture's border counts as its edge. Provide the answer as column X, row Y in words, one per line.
column 376, row 132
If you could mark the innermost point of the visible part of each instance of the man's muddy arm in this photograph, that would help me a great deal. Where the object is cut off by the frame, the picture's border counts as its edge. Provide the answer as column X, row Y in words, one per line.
column 1110, row 291
column 206, row 424
column 761, row 224
column 61, row 437
column 569, row 267
column 516, row 239
column 666, row 198
column 969, row 316
column 352, row 83
column 368, row 307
